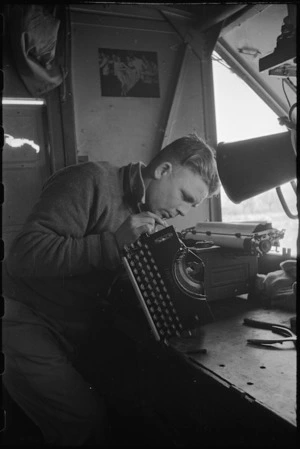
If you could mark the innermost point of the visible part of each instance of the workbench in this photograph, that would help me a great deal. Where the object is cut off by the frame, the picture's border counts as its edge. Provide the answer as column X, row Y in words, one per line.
column 265, row 374
column 235, row 393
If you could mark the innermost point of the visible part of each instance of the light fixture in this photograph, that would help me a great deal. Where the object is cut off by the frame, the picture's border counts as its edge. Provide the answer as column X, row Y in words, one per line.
column 250, row 167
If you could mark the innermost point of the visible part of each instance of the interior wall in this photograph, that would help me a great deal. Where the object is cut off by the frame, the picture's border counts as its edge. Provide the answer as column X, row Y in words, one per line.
column 119, row 129
column 130, row 129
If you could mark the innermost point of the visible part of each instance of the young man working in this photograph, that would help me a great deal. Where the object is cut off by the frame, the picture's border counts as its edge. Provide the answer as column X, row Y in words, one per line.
column 61, row 266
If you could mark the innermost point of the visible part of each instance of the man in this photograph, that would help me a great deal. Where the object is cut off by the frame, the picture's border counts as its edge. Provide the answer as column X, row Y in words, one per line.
column 61, row 266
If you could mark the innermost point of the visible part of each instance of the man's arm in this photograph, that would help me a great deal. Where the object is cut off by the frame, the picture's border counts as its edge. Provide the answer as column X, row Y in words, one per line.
column 55, row 239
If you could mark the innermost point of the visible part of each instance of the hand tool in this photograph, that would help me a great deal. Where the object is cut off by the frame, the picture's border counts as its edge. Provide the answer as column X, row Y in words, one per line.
column 284, row 331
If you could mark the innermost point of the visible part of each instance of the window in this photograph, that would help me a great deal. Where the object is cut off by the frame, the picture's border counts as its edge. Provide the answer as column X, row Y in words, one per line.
column 241, row 114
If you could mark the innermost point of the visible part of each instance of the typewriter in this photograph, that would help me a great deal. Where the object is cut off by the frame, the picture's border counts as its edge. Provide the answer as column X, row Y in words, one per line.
column 168, row 279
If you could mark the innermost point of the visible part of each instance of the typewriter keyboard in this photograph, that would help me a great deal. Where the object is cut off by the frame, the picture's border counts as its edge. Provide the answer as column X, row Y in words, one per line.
column 152, row 291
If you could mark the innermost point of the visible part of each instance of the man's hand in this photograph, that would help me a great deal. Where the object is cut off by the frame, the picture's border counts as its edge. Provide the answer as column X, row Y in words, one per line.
column 135, row 225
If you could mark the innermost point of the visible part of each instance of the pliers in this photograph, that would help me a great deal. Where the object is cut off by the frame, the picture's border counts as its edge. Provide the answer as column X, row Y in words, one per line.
column 285, row 331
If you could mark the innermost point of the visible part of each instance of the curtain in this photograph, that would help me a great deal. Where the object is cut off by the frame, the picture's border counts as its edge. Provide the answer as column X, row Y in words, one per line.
column 39, row 40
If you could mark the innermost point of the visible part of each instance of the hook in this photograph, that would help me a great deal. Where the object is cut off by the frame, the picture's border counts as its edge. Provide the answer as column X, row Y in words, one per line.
column 284, row 204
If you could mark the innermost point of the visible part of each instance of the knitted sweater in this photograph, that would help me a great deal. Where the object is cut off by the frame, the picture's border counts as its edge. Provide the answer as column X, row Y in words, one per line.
column 63, row 261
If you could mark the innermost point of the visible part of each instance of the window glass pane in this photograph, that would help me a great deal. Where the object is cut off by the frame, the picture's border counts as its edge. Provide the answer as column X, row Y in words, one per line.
column 241, row 114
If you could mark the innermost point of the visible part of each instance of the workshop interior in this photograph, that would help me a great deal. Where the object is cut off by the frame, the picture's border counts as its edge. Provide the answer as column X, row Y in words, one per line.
column 222, row 370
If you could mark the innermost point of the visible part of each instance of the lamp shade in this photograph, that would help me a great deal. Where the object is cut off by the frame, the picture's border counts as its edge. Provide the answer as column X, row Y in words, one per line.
column 250, row 167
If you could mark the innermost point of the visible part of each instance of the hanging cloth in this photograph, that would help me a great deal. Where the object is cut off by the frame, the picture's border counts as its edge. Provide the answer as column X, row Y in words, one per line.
column 38, row 35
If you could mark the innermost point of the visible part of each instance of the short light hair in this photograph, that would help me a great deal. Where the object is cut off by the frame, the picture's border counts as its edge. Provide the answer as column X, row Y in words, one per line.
column 193, row 152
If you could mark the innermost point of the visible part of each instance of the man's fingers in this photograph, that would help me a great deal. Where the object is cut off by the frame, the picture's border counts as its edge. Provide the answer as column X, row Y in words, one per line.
column 155, row 217
column 136, row 225
column 146, row 228
column 138, row 221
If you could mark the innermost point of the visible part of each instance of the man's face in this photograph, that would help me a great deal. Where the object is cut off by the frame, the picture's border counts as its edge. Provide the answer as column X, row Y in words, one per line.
column 173, row 190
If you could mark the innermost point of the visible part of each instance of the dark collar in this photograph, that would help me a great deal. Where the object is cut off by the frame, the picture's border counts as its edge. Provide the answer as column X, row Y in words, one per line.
column 134, row 187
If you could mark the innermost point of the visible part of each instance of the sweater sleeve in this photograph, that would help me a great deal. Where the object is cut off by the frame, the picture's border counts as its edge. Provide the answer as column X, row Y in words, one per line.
column 55, row 240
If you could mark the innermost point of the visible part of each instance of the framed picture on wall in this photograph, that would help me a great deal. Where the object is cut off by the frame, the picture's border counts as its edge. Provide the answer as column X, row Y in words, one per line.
column 128, row 73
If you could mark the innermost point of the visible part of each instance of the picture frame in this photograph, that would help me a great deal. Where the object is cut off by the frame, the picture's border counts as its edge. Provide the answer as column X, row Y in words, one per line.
column 128, row 73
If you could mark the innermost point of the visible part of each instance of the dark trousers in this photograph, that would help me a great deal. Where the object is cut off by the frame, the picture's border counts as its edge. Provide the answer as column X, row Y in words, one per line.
column 41, row 376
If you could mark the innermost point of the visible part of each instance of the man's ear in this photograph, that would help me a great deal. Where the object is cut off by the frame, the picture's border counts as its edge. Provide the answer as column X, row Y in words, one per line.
column 163, row 169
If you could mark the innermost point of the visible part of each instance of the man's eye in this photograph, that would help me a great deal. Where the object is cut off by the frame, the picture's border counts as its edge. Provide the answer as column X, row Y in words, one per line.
column 187, row 198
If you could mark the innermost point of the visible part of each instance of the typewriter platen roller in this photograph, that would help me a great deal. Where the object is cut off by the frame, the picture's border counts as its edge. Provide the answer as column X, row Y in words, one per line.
column 168, row 279
column 255, row 238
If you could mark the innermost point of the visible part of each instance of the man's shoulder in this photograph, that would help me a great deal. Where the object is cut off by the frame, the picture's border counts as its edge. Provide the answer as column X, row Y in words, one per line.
column 100, row 173
column 91, row 168
column 97, row 168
